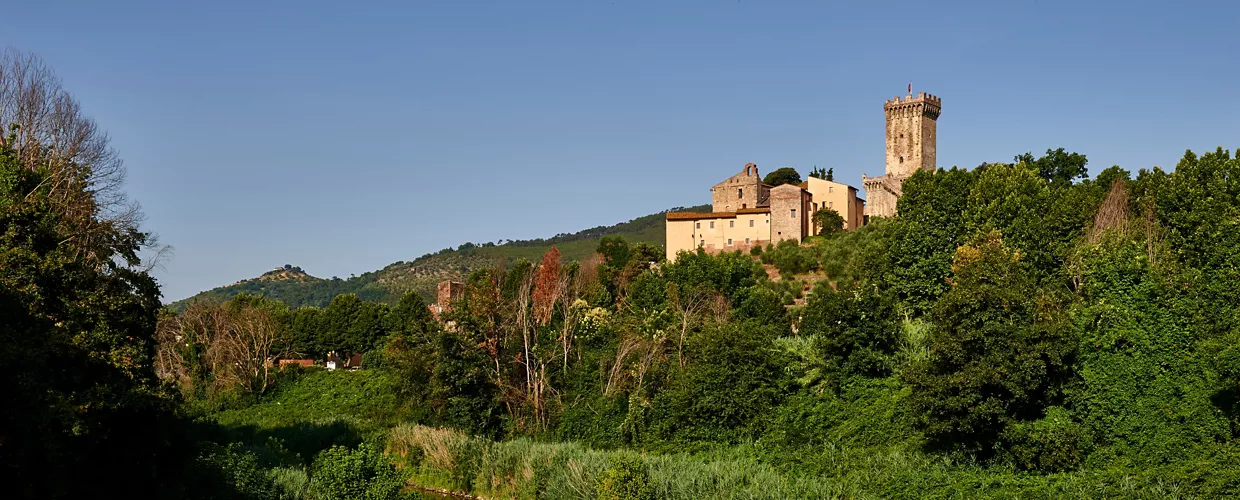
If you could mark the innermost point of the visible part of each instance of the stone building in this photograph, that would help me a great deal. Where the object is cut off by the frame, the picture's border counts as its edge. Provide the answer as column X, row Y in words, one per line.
column 745, row 212
column 739, row 192
column 446, row 293
column 911, row 139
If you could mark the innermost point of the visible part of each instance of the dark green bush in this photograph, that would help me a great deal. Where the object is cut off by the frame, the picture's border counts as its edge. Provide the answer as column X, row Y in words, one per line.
column 341, row 473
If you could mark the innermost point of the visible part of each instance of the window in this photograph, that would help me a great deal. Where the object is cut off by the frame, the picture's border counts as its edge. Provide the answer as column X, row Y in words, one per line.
column 740, row 192
column 712, row 224
column 832, row 204
column 698, row 224
column 729, row 241
column 815, row 206
column 901, row 159
column 794, row 213
column 746, row 241
column 830, row 189
column 750, row 222
column 703, row 243
column 731, row 223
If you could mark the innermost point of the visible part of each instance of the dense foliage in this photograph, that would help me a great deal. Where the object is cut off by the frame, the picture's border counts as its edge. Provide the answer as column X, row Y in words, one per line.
column 781, row 176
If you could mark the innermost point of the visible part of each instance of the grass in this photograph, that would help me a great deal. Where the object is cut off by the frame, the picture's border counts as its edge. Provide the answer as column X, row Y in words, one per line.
column 846, row 445
column 367, row 397
column 523, row 468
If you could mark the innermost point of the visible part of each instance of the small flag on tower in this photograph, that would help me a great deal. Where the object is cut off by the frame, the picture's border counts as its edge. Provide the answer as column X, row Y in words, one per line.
column 910, row 87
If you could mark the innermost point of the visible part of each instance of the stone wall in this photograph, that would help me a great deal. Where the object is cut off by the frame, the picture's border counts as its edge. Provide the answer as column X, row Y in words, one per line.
column 739, row 192
column 911, row 133
column 912, row 137
column 789, row 213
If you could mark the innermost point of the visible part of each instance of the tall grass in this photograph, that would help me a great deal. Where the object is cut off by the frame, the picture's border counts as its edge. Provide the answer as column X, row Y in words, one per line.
column 522, row 468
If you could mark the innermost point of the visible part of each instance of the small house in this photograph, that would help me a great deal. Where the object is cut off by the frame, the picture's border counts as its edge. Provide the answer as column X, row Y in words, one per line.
column 334, row 361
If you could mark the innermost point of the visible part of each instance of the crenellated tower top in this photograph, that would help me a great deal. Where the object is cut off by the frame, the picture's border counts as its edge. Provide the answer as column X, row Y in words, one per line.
column 925, row 104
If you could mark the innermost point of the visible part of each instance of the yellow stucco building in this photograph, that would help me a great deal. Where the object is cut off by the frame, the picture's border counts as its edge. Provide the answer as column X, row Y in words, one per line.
column 745, row 212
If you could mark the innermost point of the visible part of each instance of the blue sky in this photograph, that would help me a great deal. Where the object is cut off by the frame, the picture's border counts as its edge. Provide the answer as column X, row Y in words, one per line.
column 343, row 136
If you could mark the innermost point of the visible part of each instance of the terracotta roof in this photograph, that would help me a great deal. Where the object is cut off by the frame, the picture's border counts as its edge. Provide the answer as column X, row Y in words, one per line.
column 700, row 215
column 715, row 215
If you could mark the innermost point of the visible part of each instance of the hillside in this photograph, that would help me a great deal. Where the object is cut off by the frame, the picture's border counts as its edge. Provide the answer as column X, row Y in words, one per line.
column 296, row 288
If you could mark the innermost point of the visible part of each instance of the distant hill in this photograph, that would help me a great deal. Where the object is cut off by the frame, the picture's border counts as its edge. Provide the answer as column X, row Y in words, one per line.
column 294, row 287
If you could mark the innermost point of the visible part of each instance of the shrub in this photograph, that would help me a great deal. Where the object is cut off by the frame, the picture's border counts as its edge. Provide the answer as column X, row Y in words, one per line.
column 237, row 471
column 1051, row 444
column 731, row 378
column 364, row 473
column 625, row 478
column 791, row 258
column 857, row 331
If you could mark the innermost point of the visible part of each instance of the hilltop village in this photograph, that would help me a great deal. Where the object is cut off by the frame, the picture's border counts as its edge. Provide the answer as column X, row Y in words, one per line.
column 747, row 212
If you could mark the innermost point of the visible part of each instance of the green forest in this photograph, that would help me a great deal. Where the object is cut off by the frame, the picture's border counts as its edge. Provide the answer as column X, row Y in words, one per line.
column 1019, row 330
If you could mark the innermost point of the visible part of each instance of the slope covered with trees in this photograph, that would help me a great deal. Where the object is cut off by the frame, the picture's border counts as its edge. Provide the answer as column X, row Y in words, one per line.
column 422, row 274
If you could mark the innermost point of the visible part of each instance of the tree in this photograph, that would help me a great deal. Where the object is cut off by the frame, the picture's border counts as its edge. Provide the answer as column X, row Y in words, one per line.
column 828, row 221
column 923, row 238
column 83, row 409
column 783, row 175
column 223, row 347
column 731, row 378
column 826, row 175
column 1059, row 167
column 547, row 286
column 856, row 329
column 84, row 174
column 1000, row 351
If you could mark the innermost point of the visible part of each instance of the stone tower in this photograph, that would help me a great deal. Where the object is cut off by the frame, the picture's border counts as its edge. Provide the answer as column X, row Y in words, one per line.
column 912, row 134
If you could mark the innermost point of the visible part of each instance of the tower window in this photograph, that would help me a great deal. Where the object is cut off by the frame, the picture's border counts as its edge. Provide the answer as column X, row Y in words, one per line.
column 901, row 159
column 740, row 193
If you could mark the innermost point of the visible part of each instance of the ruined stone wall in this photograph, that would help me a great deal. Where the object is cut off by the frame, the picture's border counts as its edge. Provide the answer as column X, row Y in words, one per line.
column 739, row 192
